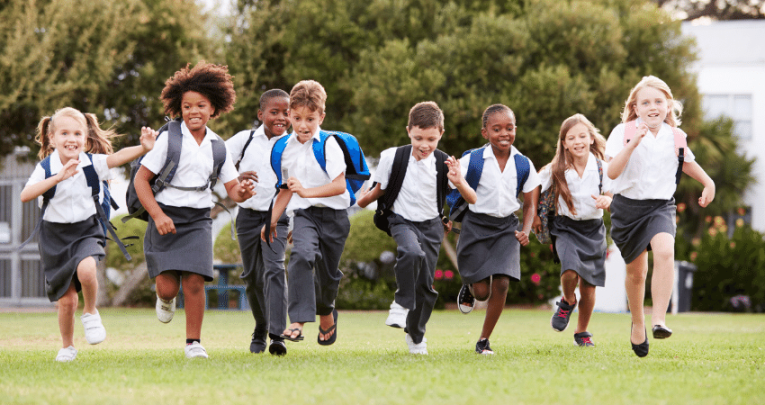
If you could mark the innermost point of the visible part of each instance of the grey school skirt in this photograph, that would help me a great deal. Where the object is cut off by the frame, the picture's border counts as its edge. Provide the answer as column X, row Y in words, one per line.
column 189, row 249
column 581, row 247
column 62, row 248
column 635, row 222
column 487, row 246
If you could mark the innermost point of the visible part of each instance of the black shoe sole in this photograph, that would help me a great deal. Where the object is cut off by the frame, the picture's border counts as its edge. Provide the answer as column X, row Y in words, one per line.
column 277, row 349
column 660, row 332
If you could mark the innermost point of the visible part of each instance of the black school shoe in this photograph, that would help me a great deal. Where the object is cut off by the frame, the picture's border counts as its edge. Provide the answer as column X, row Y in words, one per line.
column 258, row 343
column 561, row 316
column 277, row 347
column 482, row 347
column 465, row 300
column 640, row 350
column 583, row 339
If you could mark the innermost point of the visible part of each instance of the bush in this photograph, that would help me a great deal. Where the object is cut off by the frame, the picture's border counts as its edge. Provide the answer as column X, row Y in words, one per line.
column 225, row 249
column 114, row 257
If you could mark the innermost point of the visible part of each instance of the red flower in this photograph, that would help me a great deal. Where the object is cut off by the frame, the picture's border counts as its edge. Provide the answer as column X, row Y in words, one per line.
column 536, row 278
column 448, row 274
column 439, row 274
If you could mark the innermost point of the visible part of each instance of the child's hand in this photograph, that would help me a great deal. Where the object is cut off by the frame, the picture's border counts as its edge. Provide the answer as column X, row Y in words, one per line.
column 455, row 171
column 271, row 236
column 522, row 237
column 69, row 170
column 164, row 224
column 448, row 226
column 294, row 185
column 707, row 196
column 642, row 130
column 601, row 201
column 252, row 176
column 148, row 136
column 246, row 189
column 536, row 225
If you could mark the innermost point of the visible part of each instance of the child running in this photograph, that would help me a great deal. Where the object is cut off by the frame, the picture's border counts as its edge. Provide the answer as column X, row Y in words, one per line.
column 488, row 250
column 579, row 235
column 71, row 238
column 178, row 241
column 320, row 215
column 417, row 221
column 263, row 263
column 645, row 166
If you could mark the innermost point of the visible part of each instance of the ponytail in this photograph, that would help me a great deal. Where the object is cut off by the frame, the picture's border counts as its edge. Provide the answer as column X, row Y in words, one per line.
column 42, row 138
column 99, row 140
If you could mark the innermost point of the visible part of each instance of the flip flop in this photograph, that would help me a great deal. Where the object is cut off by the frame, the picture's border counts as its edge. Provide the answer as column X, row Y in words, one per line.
column 293, row 339
column 332, row 338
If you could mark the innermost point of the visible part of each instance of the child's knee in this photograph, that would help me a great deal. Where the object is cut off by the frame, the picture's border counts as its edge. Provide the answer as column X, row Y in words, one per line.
column 193, row 284
column 68, row 303
column 481, row 290
column 410, row 252
column 501, row 284
column 86, row 270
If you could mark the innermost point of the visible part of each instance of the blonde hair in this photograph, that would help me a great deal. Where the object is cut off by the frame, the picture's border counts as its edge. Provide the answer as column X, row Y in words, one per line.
column 98, row 141
column 309, row 94
column 564, row 161
column 675, row 107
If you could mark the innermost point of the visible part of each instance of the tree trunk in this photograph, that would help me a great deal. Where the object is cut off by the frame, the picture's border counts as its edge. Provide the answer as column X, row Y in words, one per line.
column 131, row 282
column 451, row 253
column 102, row 297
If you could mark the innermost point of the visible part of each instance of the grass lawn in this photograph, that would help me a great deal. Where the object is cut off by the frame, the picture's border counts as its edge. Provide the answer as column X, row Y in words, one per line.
column 711, row 358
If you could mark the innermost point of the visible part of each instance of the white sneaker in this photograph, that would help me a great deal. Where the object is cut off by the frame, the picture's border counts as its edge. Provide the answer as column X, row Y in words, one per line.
column 397, row 316
column 165, row 309
column 195, row 351
column 66, row 354
column 94, row 329
column 417, row 348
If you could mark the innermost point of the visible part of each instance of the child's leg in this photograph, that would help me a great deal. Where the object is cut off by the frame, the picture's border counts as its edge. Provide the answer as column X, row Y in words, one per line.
column 275, row 281
column 335, row 227
column 301, row 288
column 67, row 305
column 194, row 301
column 168, row 284
column 586, row 305
column 86, row 273
column 663, row 278
column 499, row 287
column 568, row 282
column 409, row 260
column 252, row 258
column 635, row 286
column 431, row 234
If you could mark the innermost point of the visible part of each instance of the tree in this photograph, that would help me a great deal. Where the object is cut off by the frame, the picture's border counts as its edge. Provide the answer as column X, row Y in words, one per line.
column 715, row 9
column 108, row 58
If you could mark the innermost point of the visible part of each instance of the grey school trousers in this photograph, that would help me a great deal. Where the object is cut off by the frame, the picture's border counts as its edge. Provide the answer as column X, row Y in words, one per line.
column 318, row 240
column 264, row 271
column 417, row 255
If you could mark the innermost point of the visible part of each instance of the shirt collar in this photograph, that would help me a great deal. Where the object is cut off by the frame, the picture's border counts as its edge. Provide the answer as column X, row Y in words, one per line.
column 55, row 161
column 488, row 152
column 427, row 161
column 209, row 134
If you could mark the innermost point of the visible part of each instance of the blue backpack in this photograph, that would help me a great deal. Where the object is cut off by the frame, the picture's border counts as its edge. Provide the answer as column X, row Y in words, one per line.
column 103, row 208
column 457, row 205
column 356, row 171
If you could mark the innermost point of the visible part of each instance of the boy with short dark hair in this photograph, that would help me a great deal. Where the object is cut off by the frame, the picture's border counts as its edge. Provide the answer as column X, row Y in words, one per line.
column 417, row 223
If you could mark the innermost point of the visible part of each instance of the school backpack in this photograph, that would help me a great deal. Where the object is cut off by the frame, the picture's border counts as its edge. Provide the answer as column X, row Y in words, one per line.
column 457, row 205
column 356, row 171
column 396, row 180
column 547, row 207
column 166, row 174
column 244, row 149
column 103, row 208
column 630, row 128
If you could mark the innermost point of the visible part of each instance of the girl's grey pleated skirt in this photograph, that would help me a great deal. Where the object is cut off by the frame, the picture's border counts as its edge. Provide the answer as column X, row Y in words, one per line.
column 189, row 249
column 487, row 246
column 581, row 247
column 635, row 222
column 62, row 248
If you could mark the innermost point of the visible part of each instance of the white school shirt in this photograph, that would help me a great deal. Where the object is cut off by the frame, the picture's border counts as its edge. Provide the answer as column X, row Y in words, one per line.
column 497, row 190
column 417, row 199
column 194, row 168
column 73, row 201
column 582, row 189
column 299, row 161
column 257, row 158
column 650, row 172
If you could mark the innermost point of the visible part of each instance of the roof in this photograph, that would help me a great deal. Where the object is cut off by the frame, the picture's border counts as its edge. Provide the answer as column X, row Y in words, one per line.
column 728, row 42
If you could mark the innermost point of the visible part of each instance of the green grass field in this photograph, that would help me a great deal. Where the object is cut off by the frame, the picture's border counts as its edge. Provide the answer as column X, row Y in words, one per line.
column 711, row 358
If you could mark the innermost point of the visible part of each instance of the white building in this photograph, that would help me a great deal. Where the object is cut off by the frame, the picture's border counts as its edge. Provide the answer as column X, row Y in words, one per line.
column 731, row 79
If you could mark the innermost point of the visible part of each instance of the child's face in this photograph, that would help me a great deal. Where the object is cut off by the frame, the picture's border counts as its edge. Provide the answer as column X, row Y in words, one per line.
column 500, row 131
column 652, row 106
column 578, row 140
column 305, row 122
column 424, row 141
column 196, row 110
column 69, row 138
column 275, row 117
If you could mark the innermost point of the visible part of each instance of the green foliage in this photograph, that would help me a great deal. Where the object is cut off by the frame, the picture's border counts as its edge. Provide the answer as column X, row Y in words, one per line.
column 225, row 249
column 365, row 242
column 114, row 257
column 361, row 294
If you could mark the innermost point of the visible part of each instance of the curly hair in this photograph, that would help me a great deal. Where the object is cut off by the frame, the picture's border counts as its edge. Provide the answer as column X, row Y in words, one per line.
column 309, row 94
column 210, row 80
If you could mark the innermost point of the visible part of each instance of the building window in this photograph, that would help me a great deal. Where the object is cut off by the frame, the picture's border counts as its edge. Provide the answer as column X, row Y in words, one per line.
column 736, row 106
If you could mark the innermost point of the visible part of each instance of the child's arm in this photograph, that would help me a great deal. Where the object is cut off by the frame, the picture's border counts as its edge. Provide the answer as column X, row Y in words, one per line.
column 240, row 191
column 336, row 187
column 280, row 204
column 366, row 196
column 530, row 200
column 33, row 191
column 697, row 173
column 163, row 223
column 456, row 177
column 617, row 164
column 124, row 155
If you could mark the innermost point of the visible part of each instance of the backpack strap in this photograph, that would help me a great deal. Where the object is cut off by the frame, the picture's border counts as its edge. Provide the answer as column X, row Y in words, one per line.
column 219, row 157
column 95, row 186
column 600, row 174
column 320, row 150
column 246, row 144
column 522, row 169
column 442, row 182
column 681, row 143
column 475, row 168
column 174, row 145
column 276, row 159
column 630, row 128
column 397, row 174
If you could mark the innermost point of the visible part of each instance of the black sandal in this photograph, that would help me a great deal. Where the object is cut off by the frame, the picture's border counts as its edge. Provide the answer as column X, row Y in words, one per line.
column 332, row 338
column 289, row 337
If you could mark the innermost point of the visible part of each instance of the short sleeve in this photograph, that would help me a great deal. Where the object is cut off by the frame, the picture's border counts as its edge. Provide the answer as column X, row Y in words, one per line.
column 335, row 158
column 615, row 142
column 384, row 167
column 235, row 144
column 689, row 156
column 37, row 176
column 228, row 170
column 155, row 159
column 607, row 182
column 533, row 181
column 545, row 177
column 101, row 167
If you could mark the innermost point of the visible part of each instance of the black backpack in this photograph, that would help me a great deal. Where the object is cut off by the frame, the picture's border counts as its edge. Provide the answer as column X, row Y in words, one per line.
column 166, row 174
column 396, row 180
